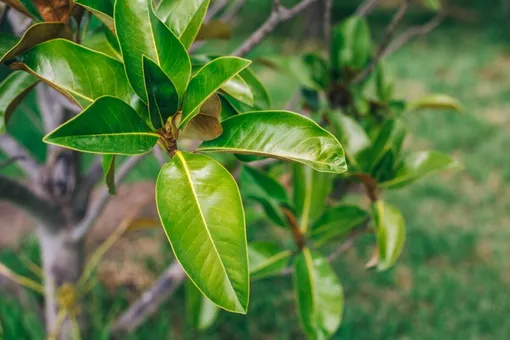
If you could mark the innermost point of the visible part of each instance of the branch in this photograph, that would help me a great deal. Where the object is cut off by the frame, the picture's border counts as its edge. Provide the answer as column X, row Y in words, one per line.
column 99, row 203
column 366, row 8
column 426, row 28
column 388, row 35
column 150, row 301
column 328, row 8
column 278, row 15
column 15, row 151
column 216, row 7
column 40, row 209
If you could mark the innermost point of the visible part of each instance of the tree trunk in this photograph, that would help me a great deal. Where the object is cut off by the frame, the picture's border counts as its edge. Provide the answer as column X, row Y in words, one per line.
column 62, row 263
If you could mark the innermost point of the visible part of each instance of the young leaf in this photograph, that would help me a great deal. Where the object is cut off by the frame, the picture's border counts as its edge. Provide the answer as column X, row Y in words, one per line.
column 26, row 7
column 206, row 124
column 283, row 135
column 436, row 102
column 141, row 33
column 184, row 18
column 418, row 165
column 336, row 222
column 53, row 10
column 214, row 29
column 61, row 64
column 311, row 190
column 239, row 89
column 207, row 81
column 390, row 233
column 108, row 126
column 265, row 190
column 161, row 93
column 267, row 259
column 12, row 46
column 352, row 45
column 108, row 163
column 202, row 214
column 12, row 91
column 200, row 311
column 320, row 298
column 102, row 9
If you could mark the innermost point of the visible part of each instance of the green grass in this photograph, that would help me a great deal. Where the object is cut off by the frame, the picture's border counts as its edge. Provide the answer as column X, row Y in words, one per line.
column 452, row 280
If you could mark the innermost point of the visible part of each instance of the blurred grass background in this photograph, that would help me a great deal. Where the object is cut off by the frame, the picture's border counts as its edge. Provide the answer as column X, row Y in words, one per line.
column 452, row 280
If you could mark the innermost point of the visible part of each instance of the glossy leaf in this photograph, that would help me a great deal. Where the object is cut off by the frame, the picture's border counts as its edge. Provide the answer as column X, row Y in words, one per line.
column 239, row 89
column 206, row 124
column 161, row 93
column 390, row 233
column 267, row 259
column 319, row 293
column 12, row 46
column 108, row 164
column 100, row 41
column 207, row 81
column 283, row 135
column 102, row 9
column 418, row 165
column 311, row 191
column 337, row 221
column 436, row 102
column 104, row 76
column 108, row 126
column 201, row 210
column 265, row 190
column 351, row 46
column 12, row 91
column 201, row 312
column 261, row 98
column 184, row 18
column 141, row 33
column 214, row 29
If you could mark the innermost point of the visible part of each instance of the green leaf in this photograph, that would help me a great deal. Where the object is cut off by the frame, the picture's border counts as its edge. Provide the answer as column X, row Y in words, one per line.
column 320, row 298
column 12, row 46
column 207, row 81
column 419, row 165
column 214, row 29
column 283, row 135
column 352, row 45
column 108, row 126
column 336, row 222
column 184, row 18
column 201, row 210
column 161, row 93
column 227, row 109
column 390, row 233
column 294, row 67
column 141, row 33
column 61, row 63
column 102, row 9
column 201, row 312
column 267, row 259
column 436, row 102
column 12, row 91
column 318, row 69
column 433, row 4
column 265, row 190
column 206, row 124
column 239, row 89
column 261, row 98
column 311, row 191
column 108, row 164
column 352, row 135
column 101, row 41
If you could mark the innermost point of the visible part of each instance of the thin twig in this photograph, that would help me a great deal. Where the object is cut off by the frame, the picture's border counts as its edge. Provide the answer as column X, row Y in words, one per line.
column 424, row 29
column 366, row 8
column 15, row 151
column 388, row 35
column 278, row 15
column 99, row 203
column 150, row 301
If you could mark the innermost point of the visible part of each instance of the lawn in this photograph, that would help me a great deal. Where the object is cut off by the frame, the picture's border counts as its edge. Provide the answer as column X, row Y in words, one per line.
column 452, row 280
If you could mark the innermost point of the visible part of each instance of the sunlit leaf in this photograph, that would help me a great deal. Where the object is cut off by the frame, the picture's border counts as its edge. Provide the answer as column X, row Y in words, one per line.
column 436, row 102
column 202, row 214
column 319, row 293
column 239, row 89
column 283, row 135
column 108, row 126
column 102, row 9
